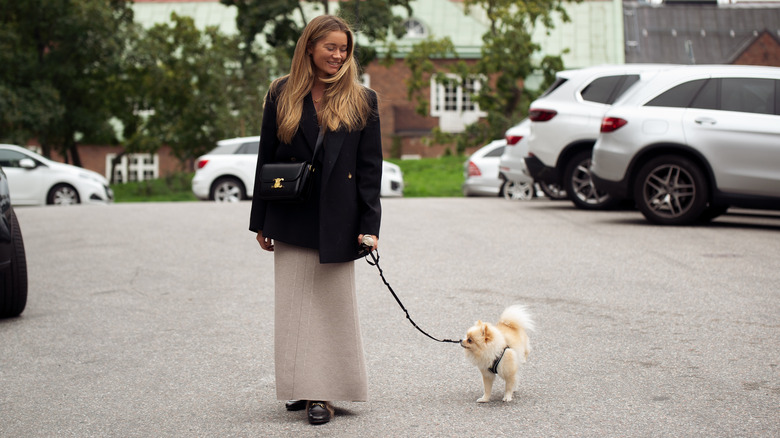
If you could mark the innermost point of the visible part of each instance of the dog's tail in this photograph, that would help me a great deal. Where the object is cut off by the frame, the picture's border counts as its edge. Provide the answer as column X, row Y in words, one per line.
column 517, row 316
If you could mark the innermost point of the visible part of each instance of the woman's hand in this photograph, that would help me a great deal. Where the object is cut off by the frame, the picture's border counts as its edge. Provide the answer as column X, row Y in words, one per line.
column 376, row 240
column 265, row 242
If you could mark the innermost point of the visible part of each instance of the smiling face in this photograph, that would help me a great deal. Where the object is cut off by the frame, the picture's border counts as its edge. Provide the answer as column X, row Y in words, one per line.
column 329, row 53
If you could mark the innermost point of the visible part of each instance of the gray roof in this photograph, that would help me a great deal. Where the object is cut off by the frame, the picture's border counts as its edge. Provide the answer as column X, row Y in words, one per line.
column 694, row 34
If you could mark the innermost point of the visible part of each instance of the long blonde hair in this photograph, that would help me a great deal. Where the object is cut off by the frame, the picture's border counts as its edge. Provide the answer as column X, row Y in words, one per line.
column 345, row 102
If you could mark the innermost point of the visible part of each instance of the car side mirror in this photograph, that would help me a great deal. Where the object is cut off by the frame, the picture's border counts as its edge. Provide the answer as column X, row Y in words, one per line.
column 27, row 163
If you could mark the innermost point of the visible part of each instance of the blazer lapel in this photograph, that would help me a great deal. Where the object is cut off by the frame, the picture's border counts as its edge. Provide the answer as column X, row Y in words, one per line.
column 332, row 145
column 309, row 124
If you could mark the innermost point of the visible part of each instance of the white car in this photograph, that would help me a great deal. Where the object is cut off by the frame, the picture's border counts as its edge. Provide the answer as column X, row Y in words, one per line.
column 518, row 183
column 693, row 142
column 36, row 180
column 565, row 123
column 227, row 173
column 480, row 170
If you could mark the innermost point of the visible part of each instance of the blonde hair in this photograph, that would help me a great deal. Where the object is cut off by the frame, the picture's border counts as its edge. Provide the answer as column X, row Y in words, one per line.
column 345, row 102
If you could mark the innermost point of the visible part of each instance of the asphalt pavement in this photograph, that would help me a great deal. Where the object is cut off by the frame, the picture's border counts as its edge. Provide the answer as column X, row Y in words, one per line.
column 156, row 320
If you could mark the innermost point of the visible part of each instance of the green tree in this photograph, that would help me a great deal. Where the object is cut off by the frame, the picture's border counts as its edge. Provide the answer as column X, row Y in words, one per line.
column 280, row 22
column 56, row 58
column 187, row 89
column 507, row 60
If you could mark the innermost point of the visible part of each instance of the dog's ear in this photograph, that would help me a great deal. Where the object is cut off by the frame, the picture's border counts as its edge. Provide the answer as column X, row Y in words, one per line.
column 486, row 332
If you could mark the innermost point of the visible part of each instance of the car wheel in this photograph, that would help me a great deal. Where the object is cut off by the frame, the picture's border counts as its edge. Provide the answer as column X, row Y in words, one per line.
column 671, row 190
column 228, row 189
column 516, row 190
column 63, row 194
column 579, row 184
column 13, row 298
column 553, row 191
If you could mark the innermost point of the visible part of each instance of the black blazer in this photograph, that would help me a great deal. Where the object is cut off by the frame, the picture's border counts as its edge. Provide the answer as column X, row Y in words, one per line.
column 345, row 197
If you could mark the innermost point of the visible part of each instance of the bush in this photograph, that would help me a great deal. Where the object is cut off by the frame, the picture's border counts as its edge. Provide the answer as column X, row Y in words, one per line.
column 432, row 177
column 171, row 188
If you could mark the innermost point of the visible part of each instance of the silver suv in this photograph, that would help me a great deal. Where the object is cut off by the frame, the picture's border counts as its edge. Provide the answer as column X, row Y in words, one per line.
column 694, row 141
column 565, row 125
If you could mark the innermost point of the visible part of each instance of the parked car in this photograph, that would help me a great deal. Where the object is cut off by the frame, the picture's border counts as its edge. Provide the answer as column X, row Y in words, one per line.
column 227, row 172
column 13, row 264
column 35, row 180
column 480, row 171
column 518, row 183
column 392, row 180
column 693, row 142
column 565, row 124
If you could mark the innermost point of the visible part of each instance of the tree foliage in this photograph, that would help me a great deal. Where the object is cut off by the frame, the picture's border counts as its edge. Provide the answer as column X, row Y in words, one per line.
column 55, row 58
column 280, row 22
column 187, row 89
column 507, row 59
column 75, row 71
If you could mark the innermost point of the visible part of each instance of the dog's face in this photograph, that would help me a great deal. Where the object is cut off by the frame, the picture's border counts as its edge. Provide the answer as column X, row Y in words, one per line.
column 478, row 338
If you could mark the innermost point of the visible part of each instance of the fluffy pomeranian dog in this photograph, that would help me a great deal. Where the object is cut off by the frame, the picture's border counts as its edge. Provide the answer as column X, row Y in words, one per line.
column 500, row 349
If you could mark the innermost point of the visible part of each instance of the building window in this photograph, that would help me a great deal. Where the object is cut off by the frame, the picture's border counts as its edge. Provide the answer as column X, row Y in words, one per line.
column 415, row 28
column 453, row 102
column 133, row 167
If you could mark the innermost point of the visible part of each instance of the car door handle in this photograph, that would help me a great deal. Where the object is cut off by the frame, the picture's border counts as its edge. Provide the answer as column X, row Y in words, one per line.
column 705, row 121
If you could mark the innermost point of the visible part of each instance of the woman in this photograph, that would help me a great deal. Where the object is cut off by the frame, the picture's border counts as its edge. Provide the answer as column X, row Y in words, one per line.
column 318, row 347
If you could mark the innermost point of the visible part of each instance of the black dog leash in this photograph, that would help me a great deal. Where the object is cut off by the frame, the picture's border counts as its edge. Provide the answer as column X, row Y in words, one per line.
column 381, row 274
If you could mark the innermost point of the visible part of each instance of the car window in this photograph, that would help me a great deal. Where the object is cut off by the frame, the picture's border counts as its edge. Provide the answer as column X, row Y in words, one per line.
column 10, row 158
column 622, row 87
column 777, row 97
column 601, row 89
column 558, row 82
column 679, row 96
column 225, row 149
column 748, row 95
column 497, row 152
column 250, row 148
column 708, row 96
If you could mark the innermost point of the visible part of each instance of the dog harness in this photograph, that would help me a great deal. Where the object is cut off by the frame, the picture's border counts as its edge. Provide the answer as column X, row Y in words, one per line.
column 494, row 368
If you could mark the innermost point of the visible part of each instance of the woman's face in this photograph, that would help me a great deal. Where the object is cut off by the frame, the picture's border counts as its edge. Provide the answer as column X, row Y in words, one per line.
column 329, row 53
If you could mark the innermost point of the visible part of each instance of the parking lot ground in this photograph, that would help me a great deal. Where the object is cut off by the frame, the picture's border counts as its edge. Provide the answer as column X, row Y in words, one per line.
column 157, row 320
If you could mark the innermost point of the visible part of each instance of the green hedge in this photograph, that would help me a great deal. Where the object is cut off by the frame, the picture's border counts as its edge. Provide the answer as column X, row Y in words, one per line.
column 426, row 177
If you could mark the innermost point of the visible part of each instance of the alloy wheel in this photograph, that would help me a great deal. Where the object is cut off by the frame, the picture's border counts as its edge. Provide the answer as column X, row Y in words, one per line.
column 516, row 190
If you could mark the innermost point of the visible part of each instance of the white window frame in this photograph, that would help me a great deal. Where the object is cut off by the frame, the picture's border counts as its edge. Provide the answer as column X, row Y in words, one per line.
column 455, row 106
column 134, row 167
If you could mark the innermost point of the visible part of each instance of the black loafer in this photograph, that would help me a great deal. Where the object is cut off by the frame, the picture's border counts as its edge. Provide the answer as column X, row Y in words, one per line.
column 295, row 405
column 319, row 412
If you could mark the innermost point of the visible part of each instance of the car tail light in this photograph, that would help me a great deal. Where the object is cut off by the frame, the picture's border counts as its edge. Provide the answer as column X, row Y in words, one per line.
column 202, row 163
column 611, row 124
column 512, row 140
column 473, row 169
column 541, row 115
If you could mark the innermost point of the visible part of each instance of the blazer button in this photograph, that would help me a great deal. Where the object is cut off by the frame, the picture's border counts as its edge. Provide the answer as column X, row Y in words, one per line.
column 350, row 175
column 293, row 159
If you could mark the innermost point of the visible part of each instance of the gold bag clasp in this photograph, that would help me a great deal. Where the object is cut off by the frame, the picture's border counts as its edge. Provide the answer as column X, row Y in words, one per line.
column 277, row 183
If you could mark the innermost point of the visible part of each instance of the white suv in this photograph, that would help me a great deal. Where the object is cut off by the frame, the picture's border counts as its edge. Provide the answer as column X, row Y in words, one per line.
column 694, row 141
column 565, row 125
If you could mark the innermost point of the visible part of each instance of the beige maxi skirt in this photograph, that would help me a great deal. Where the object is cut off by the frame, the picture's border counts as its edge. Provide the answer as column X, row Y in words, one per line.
column 318, row 348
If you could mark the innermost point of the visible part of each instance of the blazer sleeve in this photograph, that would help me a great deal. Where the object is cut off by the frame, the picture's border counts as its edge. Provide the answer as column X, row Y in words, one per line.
column 369, row 172
column 269, row 142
